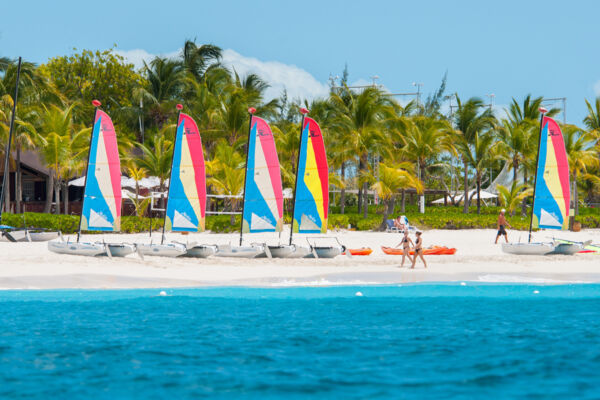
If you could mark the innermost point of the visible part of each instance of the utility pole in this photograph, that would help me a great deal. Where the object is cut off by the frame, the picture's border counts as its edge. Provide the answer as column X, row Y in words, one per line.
column 564, row 105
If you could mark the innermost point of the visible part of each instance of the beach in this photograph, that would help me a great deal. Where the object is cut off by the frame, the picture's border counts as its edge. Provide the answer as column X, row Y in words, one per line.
column 33, row 266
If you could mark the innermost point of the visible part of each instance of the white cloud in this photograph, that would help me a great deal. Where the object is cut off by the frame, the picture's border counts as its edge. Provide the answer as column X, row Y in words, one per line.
column 597, row 88
column 298, row 82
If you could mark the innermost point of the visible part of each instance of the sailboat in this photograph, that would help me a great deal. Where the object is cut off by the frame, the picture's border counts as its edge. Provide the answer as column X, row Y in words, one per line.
column 10, row 233
column 186, row 196
column 262, row 207
column 311, row 195
column 551, row 193
column 101, row 210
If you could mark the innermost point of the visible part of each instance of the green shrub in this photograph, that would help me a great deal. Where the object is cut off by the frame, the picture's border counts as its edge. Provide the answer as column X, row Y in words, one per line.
column 435, row 218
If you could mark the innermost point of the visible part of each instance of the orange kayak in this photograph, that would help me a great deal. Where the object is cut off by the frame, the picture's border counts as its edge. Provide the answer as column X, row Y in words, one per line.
column 363, row 251
column 430, row 251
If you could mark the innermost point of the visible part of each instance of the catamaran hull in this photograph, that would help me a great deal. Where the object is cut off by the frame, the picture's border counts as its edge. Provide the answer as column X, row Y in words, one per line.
column 162, row 250
column 77, row 249
column 289, row 251
column 120, row 249
column 14, row 236
column 326, row 251
column 42, row 236
column 240, row 251
column 532, row 249
column 201, row 251
column 566, row 248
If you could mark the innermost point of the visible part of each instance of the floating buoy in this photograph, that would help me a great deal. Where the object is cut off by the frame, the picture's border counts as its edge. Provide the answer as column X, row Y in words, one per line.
column 359, row 294
column 536, row 291
column 463, row 284
column 162, row 293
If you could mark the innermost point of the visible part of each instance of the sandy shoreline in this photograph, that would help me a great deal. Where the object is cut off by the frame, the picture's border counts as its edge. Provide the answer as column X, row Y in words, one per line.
column 32, row 266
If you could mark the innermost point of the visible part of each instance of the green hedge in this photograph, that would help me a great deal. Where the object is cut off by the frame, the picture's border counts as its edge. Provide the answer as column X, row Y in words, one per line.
column 434, row 218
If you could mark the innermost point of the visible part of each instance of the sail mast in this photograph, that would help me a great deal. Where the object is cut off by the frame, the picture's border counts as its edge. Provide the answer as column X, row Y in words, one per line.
column 304, row 111
column 162, row 239
column 10, row 134
column 96, row 104
column 251, row 111
column 537, row 160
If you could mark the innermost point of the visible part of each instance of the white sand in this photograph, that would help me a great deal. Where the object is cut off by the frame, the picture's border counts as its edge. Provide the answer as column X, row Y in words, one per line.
column 32, row 266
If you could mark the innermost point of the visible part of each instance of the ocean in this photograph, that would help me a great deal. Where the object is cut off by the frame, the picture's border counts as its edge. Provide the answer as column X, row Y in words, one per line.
column 451, row 341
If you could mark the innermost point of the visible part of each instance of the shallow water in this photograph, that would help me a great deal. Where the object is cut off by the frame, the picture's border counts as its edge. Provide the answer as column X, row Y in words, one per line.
column 410, row 342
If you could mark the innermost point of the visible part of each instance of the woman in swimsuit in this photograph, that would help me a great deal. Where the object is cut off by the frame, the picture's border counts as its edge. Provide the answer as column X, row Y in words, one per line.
column 406, row 244
column 418, row 250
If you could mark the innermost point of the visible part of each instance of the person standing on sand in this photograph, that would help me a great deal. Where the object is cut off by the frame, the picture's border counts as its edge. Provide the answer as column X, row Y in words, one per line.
column 406, row 244
column 418, row 250
column 502, row 222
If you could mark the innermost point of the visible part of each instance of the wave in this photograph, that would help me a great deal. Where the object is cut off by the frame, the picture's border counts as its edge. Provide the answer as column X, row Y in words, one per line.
column 321, row 282
column 497, row 278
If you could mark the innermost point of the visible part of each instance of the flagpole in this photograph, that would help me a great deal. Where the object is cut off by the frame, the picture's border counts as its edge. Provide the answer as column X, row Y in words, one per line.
column 96, row 104
column 10, row 135
column 251, row 111
column 179, row 108
column 304, row 111
column 537, row 160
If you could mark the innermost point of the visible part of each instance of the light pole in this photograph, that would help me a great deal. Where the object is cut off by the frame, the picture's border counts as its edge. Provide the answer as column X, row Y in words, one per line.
column 418, row 86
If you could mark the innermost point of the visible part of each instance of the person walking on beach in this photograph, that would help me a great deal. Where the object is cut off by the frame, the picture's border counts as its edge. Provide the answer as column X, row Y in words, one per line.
column 406, row 245
column 502, row 222
column 418, row 250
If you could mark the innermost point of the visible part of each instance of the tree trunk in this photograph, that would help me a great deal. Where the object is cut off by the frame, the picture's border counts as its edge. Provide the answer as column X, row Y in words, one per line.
column 387, row 211
column 403, row 209
column 466, row 191
column 49, row 191
column 18, row 180
column 66, row 196
column 524, row 203
column 7, row 195
column 365, row 201
column 478, row 193
column 575, row 197
column 360, row 192
column 57, row 196
column 343, row 191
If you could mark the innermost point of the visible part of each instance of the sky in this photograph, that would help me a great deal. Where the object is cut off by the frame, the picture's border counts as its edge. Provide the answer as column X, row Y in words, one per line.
column 507, row 48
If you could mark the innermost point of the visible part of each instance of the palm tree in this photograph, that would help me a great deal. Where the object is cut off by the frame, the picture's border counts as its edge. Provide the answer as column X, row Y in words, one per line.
column 64, row 147
column 581, row 155
column 424, row 140
column 362, row 117
column 510, row 198
column 167, row 80
column 197, row 60
column 226, row 174
column 470, row 120
column 156, row 157
column 477, row 153
column 390, row 181
column 514, row 143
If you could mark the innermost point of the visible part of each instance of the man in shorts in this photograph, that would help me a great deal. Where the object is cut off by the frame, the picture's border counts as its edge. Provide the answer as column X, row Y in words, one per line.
column 502, row 222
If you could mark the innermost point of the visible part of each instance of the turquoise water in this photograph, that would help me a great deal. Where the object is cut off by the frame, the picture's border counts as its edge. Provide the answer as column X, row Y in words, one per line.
column 408, row 342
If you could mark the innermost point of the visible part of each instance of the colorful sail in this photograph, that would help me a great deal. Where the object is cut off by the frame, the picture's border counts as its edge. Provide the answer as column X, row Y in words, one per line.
column 102, row 196
column 312, row 187
column 263, row 195
column 186, row 206
column 552, row 194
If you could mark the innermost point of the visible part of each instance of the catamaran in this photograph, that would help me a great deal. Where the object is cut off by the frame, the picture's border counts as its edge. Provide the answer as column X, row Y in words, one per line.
column 551, row 193
column 311, row 195
column 262, row 207
column 101, row 210
column 186, row 197
column 10, row 233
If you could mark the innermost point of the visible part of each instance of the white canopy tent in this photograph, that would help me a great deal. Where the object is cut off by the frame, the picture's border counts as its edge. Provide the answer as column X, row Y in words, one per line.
column 145, row 183
column 472, row 195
